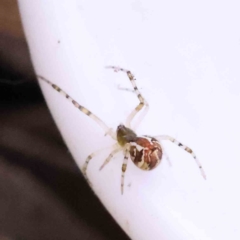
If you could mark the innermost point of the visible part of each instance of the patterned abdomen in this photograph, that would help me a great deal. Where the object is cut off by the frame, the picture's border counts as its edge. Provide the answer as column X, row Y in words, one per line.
column 146, row 152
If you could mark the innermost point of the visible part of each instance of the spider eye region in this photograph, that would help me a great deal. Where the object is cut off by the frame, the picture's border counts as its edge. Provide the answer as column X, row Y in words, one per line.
column 146, row 153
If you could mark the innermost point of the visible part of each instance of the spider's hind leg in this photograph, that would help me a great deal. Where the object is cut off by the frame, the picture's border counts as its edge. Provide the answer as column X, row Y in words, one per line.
column 166, row 156
column 184, row 147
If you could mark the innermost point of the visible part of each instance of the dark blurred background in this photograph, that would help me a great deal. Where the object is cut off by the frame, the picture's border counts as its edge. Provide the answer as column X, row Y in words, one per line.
column 42, row 192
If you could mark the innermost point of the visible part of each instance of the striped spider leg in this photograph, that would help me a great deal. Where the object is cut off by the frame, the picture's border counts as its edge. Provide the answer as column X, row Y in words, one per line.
column 184, row 147
column 108, row 131
column 142, row 101
column 145, row 151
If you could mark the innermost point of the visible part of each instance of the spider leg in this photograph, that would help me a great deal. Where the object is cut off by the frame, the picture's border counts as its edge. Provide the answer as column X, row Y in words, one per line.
column 166, row 156
column 186, row 148
column 85, row 165
column 125, row 89
column 107, row 130
column 140, row 118
column 142, row 101
column 116, row 150
column 143, row 113
column 124, row 168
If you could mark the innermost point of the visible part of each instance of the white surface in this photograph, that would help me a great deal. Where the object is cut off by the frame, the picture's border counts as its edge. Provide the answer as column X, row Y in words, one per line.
column 185, row 56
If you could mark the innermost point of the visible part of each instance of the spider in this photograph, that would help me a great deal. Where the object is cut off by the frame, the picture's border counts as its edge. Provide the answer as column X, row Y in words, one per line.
column 145, row 151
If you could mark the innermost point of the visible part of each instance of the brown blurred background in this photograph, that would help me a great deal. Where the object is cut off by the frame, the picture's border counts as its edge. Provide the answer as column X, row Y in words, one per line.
column 42, row 192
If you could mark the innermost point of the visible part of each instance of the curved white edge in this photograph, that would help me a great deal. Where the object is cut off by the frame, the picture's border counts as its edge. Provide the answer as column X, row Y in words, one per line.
column 185, row 59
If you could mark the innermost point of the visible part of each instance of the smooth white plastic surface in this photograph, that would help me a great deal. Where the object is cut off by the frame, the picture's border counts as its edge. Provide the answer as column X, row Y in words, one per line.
column 185, row 56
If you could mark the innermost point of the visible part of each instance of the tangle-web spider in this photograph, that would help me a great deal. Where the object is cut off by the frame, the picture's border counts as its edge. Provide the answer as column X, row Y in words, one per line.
column 145, row 151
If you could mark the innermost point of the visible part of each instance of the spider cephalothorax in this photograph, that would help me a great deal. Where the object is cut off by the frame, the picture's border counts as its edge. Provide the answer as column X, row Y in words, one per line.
column 125, row 135
column 146, row 152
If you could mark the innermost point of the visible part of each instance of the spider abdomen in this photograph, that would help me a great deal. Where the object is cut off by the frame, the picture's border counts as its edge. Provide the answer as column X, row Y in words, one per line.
column 146, row 152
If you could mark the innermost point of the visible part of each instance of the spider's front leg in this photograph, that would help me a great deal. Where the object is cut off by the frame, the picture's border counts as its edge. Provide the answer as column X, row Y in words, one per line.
column 184, row 147
column 92, row 155
column 142, row 101
column 124, row 168
column 116, row 150
column 107, row 130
